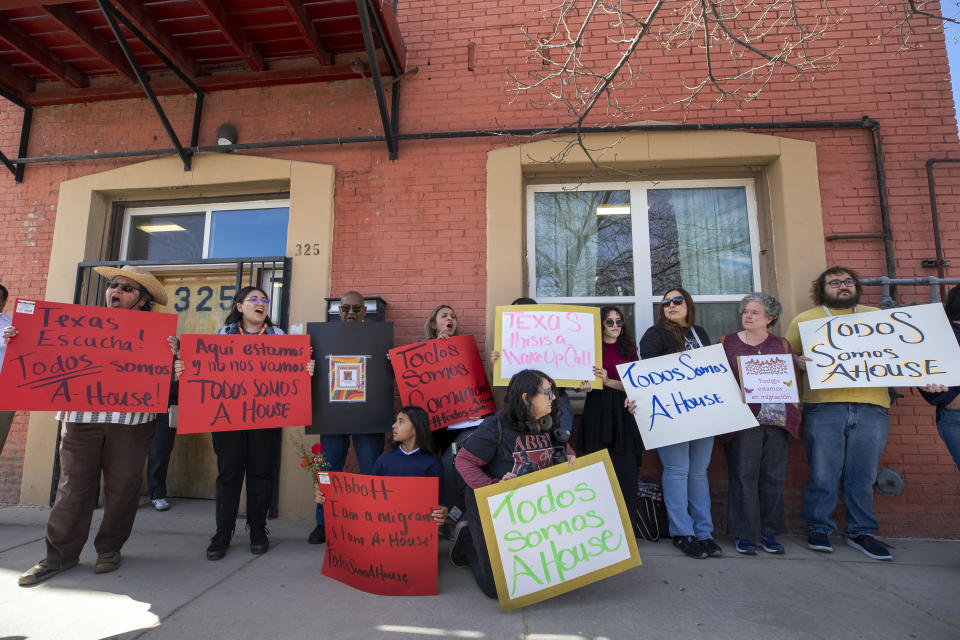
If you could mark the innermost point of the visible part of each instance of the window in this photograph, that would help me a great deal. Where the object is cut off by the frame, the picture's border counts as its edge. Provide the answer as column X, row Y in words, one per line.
column 217, row 230
column 626, row 244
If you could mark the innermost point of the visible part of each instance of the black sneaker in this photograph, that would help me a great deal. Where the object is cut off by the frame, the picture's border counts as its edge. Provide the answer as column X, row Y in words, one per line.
column 819, row 542
column 690, row 546
column 869, row 546
column 318, row 535
column 461, row 540
column 259, row 543
column 218, row 546
column 711, row 547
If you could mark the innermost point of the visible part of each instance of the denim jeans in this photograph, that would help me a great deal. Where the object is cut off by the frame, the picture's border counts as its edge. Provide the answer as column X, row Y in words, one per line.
column 686, row 492
column 367, row 446
column 844, row 440
column 948, row 424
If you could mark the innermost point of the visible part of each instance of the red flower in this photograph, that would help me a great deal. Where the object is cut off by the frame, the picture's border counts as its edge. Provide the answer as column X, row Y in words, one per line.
column 317, row 448
column 303, row 463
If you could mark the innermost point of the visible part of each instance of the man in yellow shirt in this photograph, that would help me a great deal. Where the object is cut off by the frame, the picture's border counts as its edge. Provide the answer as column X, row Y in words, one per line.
column 845, row 431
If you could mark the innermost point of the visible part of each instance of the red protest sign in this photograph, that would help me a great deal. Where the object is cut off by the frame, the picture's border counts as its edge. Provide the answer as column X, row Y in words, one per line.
column 243, row 382
column 445, row 377
column 380, row 535
column 70, row 357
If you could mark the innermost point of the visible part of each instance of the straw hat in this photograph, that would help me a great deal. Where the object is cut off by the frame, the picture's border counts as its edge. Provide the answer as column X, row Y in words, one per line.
column 139, row 275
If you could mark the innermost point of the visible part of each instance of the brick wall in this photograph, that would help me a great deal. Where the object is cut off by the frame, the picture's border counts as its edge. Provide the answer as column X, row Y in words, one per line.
column 413, row 231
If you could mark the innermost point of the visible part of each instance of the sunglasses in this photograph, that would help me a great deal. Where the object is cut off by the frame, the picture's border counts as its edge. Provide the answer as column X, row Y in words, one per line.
column 610, row 322
column 126, row 288
column 849, row 283
column 258, row 300
column 356, row 308
column 675, row 300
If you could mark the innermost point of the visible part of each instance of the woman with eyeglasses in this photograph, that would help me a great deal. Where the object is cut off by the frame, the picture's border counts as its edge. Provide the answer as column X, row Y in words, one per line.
column 519, row 438
column 686, row 492
column 606, row 423
column 249, row 452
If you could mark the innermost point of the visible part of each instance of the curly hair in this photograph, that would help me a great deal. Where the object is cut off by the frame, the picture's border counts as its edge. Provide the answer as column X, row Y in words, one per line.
column 818, row 289
column 771, row 306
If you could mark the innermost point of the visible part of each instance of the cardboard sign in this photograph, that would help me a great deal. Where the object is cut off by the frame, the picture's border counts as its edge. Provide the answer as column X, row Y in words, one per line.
column 685, row 396
column 556, row 530
column 353, row 383
column 243, row 382
column 445, row 377
column 380, row 535
column 908, row 347
column 563, row 341
column 71, row 357
column 768, row 378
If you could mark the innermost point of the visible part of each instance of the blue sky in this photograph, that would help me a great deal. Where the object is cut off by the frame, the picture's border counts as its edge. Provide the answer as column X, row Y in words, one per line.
column 953, row 53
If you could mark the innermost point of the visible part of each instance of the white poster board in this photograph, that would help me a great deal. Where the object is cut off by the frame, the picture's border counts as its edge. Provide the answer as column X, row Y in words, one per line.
column 563, row 341
column 556, row 530
column 902, row 347
column 685, row 396
column 768, row 378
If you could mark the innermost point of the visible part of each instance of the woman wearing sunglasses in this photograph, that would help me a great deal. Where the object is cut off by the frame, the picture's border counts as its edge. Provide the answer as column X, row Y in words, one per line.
column 686, row 492
column 250, row 452
column 606, row 423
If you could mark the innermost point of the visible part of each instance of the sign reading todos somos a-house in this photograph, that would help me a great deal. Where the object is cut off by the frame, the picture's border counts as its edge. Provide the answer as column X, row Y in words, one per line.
column 685, row 396
column 563, row 341
column 907, row 346
column 556, row 530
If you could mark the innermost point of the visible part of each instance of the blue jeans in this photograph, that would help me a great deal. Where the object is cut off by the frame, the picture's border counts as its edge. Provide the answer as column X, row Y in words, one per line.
column 844, row 440
column 367, row 446
column 686, row 492
column 948, row 424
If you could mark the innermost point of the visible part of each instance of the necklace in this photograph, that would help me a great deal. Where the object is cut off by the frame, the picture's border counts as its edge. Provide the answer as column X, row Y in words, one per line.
column 743, row 338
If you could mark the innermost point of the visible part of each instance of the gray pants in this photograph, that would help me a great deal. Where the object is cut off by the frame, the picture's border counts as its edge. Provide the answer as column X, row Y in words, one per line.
column 6, row 419
column 757, row 462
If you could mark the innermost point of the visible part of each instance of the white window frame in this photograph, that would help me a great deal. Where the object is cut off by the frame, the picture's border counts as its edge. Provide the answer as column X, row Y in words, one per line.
column 644, row 297
column 207, row 208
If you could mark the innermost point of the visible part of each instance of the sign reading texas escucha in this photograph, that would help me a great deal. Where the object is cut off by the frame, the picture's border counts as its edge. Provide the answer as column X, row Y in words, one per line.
column 906, row 347
column 563, row 341
column 685, row 396
column 556, row 530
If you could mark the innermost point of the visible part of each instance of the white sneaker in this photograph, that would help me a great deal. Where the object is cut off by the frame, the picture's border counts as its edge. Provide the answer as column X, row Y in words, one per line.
column 160, row 504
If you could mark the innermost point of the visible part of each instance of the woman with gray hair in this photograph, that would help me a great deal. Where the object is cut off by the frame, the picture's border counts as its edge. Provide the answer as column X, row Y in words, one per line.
column 757, row 457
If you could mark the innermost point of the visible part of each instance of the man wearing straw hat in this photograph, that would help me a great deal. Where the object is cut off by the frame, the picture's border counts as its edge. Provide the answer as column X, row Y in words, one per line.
column 95, row 442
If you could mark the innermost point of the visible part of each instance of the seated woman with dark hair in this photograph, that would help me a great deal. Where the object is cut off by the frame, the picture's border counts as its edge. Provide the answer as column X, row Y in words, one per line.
column 519, row 439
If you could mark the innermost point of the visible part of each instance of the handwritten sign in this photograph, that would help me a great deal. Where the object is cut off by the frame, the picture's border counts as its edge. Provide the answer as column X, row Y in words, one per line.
column 685, row 396
column 556, row 530
column 243, row 382
column 445, row 377
column 380, row 535
column 908, row 346
column 562, row 341
column 72, row 357
column 768, row 378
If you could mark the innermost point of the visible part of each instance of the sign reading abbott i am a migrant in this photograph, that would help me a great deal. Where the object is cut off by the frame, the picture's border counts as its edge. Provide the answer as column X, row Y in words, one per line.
column 563, row 341
column 243, row 382
column 76, row 358
column 907, row 347
column 445, row 377
column 685, row 396
column 556, row 530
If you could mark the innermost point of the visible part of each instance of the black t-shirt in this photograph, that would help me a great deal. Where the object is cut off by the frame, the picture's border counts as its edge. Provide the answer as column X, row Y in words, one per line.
column 506, row 448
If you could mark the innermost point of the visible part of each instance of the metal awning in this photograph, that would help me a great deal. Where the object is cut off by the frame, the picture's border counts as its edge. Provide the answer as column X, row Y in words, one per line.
column 54, row 52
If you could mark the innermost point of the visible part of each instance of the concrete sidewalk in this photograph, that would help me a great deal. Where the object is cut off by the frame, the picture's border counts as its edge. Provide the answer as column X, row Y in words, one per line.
column 167, row 589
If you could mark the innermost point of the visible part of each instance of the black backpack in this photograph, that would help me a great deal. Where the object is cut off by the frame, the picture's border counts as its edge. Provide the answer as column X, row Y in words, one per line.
column 652, row 523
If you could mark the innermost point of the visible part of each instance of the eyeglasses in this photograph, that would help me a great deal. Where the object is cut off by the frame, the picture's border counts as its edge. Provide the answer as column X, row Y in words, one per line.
column 675, row 300
column 610, row 322
column 126, row 288
column 356, row 308
column 849, row 283
column 550, row 393
column 258, row 300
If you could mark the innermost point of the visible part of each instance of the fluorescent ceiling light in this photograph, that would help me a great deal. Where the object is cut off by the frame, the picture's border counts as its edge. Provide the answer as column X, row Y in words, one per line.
column 613, row 209
column 157, row 228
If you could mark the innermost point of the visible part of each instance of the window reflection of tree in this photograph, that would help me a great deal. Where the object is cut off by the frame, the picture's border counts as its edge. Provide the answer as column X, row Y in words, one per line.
column 580, row 253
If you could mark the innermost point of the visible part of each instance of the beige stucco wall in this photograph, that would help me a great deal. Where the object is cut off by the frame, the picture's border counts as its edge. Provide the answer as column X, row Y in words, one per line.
column 787, row 187
column 81, row 233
